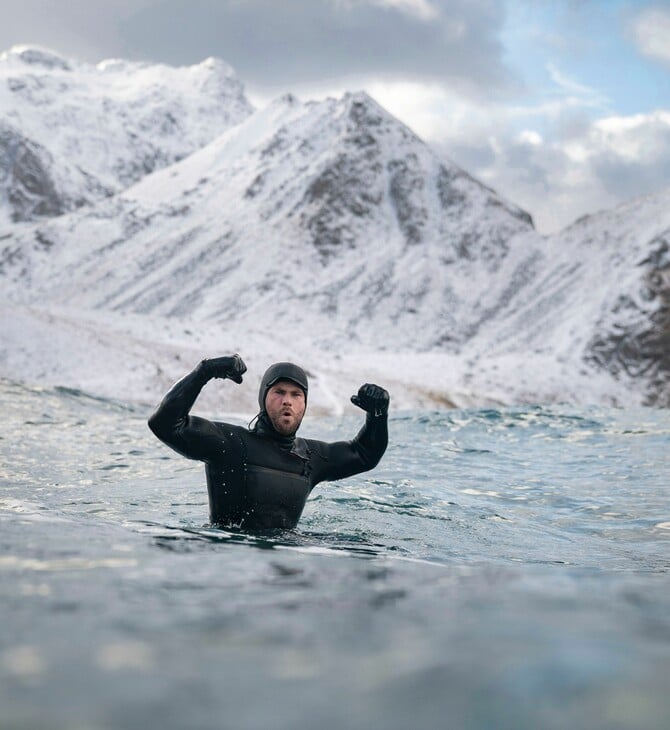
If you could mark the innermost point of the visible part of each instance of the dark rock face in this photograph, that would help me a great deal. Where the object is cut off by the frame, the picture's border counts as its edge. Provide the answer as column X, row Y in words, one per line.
column 350, row 186
column 339, row 190
column 26, row 178
column 405, row 186
column 43, row 58
column 638, row 345
column 379, row 166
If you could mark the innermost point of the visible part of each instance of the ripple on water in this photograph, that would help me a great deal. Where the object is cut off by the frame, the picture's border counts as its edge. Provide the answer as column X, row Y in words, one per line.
column 508, row 562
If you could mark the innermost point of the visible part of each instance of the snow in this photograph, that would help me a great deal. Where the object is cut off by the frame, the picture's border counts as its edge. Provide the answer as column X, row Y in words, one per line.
column 322, row 232
column 93, row 130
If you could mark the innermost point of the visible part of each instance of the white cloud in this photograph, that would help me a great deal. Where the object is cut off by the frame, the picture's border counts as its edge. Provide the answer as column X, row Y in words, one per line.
column 616, row 158
column 652, row 33
column 528, row 156
column 637, row 138
column 421, row 9
column 567, row 84
column 82, row 29
column 430, row 109
column 528, row 136
column 564, row 157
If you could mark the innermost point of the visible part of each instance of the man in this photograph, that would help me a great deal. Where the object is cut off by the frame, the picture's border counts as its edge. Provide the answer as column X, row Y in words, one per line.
column 259, row 478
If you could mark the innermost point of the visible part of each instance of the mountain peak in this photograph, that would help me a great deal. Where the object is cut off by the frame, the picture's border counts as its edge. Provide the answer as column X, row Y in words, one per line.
column 218, row 65
column 72, row 133
column 37, row 56
column 362, row 109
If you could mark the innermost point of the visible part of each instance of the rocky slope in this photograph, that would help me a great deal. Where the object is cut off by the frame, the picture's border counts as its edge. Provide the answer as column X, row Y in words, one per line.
column 595, row 303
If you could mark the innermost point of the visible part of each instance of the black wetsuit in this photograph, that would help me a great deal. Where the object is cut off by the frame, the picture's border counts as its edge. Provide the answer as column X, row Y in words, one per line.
column 260, row 479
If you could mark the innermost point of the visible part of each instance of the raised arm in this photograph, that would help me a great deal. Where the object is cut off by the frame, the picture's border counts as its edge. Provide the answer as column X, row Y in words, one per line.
column 193, row 437
column 364, row 452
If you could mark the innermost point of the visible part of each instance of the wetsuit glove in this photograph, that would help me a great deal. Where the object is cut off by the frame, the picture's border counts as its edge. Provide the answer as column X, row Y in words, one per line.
column 373, row 399
column 232, row 368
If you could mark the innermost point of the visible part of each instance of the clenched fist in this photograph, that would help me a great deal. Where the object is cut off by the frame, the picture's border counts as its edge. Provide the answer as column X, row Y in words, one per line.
column 232, row 367
column 372, row 399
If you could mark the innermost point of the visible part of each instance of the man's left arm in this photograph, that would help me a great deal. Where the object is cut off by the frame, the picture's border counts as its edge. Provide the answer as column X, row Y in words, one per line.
column 345, row 458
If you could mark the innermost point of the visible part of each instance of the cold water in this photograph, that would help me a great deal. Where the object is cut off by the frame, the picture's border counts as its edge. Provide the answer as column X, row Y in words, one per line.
column 500, row 569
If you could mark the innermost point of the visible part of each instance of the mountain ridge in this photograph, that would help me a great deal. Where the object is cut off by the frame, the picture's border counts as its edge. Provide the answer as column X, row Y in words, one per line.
column 72, row 133
column 334, row 223
column 346, row 172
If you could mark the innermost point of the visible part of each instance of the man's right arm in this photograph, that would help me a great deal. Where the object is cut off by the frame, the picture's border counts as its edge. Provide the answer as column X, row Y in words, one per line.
column 190, row 436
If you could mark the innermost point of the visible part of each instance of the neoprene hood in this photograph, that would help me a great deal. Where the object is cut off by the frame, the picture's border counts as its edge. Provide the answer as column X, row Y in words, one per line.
column 281, row 371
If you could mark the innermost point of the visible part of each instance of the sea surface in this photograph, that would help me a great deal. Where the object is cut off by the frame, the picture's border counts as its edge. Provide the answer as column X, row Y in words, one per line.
column 500, row 569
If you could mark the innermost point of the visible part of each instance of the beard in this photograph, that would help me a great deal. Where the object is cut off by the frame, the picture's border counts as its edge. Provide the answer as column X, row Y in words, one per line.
column 285, row 423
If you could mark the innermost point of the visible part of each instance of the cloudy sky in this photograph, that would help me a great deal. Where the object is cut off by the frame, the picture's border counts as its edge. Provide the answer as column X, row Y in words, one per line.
column 563, row 106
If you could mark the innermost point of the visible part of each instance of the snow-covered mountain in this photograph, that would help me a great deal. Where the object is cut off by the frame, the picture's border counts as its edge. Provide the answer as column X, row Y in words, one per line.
column 72, row 133
column 333, row 214
column 330, row 229
column 596, row 298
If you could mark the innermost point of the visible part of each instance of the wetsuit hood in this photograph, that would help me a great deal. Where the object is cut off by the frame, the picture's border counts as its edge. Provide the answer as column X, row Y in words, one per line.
column 281, row 371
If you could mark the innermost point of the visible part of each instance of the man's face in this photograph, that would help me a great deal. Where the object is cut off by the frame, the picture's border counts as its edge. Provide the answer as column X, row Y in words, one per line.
column 285, row 406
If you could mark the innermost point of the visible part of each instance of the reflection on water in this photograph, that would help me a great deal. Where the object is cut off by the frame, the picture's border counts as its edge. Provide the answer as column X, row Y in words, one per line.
column 501, row 568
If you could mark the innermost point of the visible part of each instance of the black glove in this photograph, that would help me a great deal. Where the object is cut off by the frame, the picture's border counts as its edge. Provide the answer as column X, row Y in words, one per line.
column 225, row 367
column 373, row 399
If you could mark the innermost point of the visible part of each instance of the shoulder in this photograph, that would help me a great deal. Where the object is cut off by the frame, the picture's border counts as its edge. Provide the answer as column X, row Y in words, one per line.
column 315, row 448
column 229, row 430
column 230, row 426
column 311, row 443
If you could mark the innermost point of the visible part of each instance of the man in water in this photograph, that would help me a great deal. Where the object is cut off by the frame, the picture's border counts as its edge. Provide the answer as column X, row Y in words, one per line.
column 259, row 478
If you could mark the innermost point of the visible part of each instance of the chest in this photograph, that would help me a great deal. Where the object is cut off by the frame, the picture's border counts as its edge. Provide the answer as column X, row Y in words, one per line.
column 277, row 482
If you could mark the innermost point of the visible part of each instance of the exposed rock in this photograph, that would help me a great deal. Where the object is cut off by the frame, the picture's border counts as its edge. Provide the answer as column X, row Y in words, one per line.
column 635, row 342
